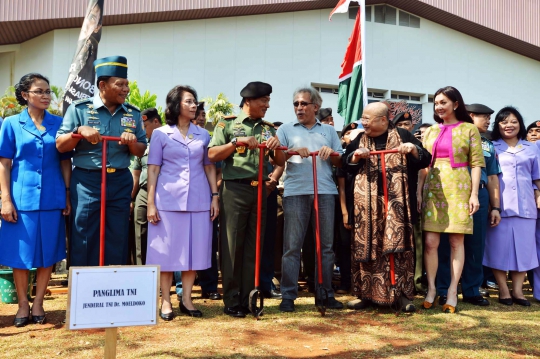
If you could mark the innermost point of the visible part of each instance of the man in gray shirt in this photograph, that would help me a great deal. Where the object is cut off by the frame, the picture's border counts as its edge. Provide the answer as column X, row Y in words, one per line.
column 305, row 136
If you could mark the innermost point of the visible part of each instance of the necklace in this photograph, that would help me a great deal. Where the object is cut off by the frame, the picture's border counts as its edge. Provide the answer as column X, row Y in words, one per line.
column 39, row 125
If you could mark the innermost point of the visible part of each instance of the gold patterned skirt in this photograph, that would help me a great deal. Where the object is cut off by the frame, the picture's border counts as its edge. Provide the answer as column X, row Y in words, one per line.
column 446, row 194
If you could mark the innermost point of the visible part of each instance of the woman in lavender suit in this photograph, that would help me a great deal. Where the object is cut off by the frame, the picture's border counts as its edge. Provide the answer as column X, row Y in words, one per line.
column 511, row 246
column 182, row 199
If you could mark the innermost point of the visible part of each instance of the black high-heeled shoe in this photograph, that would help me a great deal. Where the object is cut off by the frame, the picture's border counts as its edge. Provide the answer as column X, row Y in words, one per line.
column 194, row 313
column 38, row 319
column 166, row 316
column 21, row 322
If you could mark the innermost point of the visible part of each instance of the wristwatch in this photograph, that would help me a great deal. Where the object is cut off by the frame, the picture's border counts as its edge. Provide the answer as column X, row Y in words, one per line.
column 496, row 208
column 75, row 130
column 234, row 140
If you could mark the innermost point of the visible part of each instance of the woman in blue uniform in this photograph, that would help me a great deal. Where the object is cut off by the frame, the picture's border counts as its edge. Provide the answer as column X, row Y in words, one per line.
column 34, row 178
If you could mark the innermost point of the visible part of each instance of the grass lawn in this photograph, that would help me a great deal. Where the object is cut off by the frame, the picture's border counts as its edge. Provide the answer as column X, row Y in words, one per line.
column 496, row 331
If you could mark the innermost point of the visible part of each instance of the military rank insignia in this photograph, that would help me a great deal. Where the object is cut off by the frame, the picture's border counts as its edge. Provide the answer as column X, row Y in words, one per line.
column 128, row 122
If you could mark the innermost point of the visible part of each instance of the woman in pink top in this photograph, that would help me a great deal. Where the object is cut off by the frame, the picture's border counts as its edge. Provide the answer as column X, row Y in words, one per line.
column 450, row 193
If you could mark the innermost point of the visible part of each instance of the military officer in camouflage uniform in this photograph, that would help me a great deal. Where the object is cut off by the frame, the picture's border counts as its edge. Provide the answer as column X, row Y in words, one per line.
column 238, row 204
column 106, row 114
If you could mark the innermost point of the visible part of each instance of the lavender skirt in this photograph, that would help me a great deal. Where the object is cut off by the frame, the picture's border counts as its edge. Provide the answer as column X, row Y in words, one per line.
column 511, row 246
column 181, row 241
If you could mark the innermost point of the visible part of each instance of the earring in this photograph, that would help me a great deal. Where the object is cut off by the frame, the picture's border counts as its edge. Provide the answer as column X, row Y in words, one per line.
column 455, row 109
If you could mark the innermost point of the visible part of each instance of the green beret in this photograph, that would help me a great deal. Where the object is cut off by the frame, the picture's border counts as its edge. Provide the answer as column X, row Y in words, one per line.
column 402, row 116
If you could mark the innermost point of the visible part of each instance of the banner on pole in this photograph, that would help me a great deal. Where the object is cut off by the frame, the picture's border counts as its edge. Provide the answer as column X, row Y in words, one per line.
column 80, row 83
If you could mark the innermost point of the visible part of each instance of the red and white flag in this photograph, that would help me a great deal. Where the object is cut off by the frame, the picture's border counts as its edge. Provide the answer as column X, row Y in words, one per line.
column 352, row 95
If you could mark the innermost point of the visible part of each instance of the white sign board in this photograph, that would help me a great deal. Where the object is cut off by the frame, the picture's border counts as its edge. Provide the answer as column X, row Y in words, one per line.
column 114, row 296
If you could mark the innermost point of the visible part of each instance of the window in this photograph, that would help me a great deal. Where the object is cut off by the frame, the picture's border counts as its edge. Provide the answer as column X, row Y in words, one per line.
column 368, row 13
column 375, row 94
column 327, row 90
column 415, row 98
column 430, row 99
column 394, row 96
column 385, row 14
column 352, row 12
column 408, row 20
column 402, row 96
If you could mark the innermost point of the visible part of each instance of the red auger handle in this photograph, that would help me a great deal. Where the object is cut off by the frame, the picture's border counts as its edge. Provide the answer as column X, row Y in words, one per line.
column 315, row 153
column 104, row 140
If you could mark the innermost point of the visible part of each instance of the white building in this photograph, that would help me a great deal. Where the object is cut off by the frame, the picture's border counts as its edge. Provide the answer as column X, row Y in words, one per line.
column 412, row 47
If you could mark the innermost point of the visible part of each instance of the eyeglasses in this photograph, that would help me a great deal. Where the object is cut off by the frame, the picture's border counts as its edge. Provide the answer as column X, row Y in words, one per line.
column 189, row 103
column 302, row 103
column 41, row 92
column 365, row 119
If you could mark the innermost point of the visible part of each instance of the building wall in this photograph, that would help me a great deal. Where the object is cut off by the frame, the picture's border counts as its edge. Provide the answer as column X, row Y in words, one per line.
column 294, row 49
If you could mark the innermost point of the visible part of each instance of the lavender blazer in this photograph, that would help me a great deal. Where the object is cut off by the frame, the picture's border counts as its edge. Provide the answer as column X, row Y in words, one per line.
column 182, row 184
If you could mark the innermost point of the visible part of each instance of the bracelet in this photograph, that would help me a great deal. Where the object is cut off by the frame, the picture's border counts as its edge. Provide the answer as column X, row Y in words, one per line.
column 215, row 194
column 496, row 209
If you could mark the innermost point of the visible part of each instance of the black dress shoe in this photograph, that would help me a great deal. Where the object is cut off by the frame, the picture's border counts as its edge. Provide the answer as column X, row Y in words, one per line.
column 332, row 303
column 506, row 301
column 286, row 305
column 235, row 312
column 211, row 295
column 38, row 319
column 21, row 322
column 269, row 294
column 476, row 300
column 166, row 316
column 524, row 302
column 442, row 299
column 194, row 313
column 484, row 292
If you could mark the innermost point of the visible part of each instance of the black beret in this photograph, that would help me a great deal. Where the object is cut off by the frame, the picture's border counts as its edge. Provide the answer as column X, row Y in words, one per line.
column 278, row 123
column 200, row 106
column 324, row 113
column 402, row 116
column 533, row 125
column 150, row 114
column 479, row 109
column 350, row 126
column 256, row 89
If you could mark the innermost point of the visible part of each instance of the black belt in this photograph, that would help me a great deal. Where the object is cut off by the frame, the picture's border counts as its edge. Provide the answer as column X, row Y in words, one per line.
column 109, row 169
column 482, row 185
column 245, row 181
column 143, row 188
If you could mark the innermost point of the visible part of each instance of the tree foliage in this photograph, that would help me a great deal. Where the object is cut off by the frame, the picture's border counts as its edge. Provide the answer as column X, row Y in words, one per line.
column 8, row 103
column 143, row 101
column 218, row 108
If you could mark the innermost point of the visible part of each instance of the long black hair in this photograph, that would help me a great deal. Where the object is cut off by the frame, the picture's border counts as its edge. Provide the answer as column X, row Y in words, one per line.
column 455, row 96
column 174, row 97
column 503, row 115
column 24, row 85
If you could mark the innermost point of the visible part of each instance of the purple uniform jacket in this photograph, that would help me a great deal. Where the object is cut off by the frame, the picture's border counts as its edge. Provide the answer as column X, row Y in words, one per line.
column 182, row 184
column 519, row 167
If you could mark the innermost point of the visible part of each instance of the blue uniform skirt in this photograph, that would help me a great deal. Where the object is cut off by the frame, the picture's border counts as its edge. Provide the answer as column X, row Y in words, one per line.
column 37, row 239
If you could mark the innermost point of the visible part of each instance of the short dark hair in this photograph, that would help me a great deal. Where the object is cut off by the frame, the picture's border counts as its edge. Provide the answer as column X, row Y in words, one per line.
column 501, row 116
column 455, row 96
column 24, row 85
column 425, row 125
column 174, row 97
column 102, row 78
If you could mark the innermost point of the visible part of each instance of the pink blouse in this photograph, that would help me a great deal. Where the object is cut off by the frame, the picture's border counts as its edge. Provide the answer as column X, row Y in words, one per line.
column 443, row 145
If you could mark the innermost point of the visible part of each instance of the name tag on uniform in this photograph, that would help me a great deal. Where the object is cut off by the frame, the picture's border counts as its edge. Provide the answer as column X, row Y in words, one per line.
column 128, row 122
column 94, row 123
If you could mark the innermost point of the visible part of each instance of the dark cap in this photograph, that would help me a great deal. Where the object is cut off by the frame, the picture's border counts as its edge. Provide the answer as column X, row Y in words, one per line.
column 200, row 106
column 255, row 89
column 479, row 109
column 114, row 66
column 150, row 114
column 324, row 113
column 533, row 125
column 278, row 123
column 402, row 116
column 350, row 126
